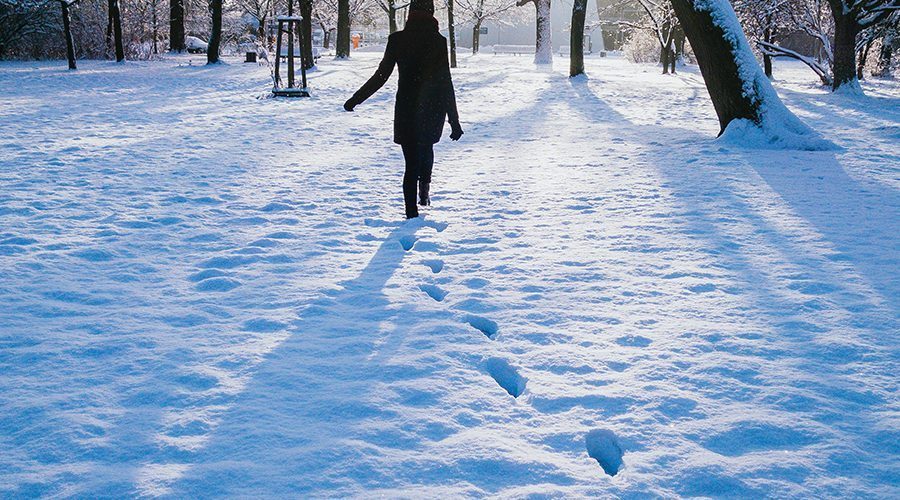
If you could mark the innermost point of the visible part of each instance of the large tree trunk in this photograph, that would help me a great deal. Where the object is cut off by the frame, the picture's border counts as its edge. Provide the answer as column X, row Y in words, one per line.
column 176, row 25
column 115, row 18
column 451, row 32
column 476, row 36
column 342, row 44
column 844, row 66
column 717, row 57
column 215, row 40
column 67, row 32
column 306, row 55
column 576, row 40
column 739, row 90
column 767, row 37
column 543, row 46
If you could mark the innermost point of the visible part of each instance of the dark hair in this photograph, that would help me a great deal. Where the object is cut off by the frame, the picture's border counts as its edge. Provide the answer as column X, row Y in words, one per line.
column 426, row 5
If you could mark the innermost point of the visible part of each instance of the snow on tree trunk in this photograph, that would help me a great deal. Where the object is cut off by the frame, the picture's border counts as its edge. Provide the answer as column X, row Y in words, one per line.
column 543, row 46
column 476, row 37
column 576, row 41
column 749, row 110
column 844, row 71
column 342, row 44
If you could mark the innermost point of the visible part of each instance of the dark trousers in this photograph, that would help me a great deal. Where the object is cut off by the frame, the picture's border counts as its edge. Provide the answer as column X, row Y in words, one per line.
column 419, row 161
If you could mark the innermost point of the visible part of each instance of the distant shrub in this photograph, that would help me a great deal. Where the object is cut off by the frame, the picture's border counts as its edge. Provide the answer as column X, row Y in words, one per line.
column 641, row 47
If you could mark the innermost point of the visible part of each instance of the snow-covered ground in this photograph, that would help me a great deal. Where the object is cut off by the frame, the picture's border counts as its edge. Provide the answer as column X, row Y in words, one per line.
column 205, row 293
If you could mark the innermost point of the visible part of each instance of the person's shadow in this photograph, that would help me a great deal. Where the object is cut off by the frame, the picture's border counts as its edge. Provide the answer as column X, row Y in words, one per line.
column 286, row 433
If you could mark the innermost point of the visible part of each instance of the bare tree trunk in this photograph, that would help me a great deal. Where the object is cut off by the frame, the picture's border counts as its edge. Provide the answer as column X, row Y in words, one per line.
column 885, row 56
column 863, row 57
column 306, row 54
column 451, row 32
column 671, row 52
column 115, row 16
column 844, row 66
column 342, row 44
column 215, row 40
column 664, row 59
column 67, row 32
column 109, row 29
column 767, row 37
column 326, row 35
column 261, row 30
column 576, row 39
column 392, row 15
column 476, row 37
column 155, row 21
column 176, row 25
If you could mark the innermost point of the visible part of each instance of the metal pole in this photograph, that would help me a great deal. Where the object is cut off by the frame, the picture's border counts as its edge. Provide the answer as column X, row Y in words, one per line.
column 278, row 54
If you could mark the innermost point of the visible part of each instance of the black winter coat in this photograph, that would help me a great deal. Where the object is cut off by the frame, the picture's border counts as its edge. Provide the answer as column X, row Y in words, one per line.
column 425, row 94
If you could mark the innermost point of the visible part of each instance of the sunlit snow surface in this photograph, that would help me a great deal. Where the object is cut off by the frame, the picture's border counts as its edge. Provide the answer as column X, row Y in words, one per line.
column 205, row 293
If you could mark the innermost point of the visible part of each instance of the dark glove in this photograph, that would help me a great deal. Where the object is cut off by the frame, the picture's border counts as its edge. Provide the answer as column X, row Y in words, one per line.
column 455, row 131
column 350, row 104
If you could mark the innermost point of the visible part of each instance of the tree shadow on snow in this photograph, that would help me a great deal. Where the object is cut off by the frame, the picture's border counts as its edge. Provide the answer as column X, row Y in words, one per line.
column 861, row 221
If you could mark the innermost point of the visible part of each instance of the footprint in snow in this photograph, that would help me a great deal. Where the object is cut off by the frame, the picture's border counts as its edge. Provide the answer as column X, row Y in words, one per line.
column 438, row 226
column 487, row 327
column 436, row 265
column 435, row 292
column 407, row 242
column 603, row 446
column 506, row 376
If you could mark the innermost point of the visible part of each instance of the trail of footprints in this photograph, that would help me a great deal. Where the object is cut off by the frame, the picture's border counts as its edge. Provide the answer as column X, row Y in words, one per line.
column 601, row 445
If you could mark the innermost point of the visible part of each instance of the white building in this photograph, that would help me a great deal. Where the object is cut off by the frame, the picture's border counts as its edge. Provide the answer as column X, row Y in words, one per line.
column 523, row 32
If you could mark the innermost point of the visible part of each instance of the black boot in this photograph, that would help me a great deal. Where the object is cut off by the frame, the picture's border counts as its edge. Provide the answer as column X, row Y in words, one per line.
column 424, row 200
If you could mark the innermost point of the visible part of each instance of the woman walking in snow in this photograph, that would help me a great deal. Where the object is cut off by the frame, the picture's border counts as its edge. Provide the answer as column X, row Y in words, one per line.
column 425, row 97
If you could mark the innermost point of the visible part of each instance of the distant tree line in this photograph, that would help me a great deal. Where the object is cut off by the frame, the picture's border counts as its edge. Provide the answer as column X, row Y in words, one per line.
column 141, row 29
column 845, row 40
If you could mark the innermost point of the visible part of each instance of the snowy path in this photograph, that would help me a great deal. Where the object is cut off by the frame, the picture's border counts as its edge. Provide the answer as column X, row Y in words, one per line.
column 204, row 293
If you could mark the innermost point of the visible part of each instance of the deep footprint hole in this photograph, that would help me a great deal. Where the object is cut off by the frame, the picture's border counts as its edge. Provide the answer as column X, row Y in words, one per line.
column 435, row 265
column 506, row 376
column 482, row 324
column 603, row 446
column 407, row 242
column 434, row 292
